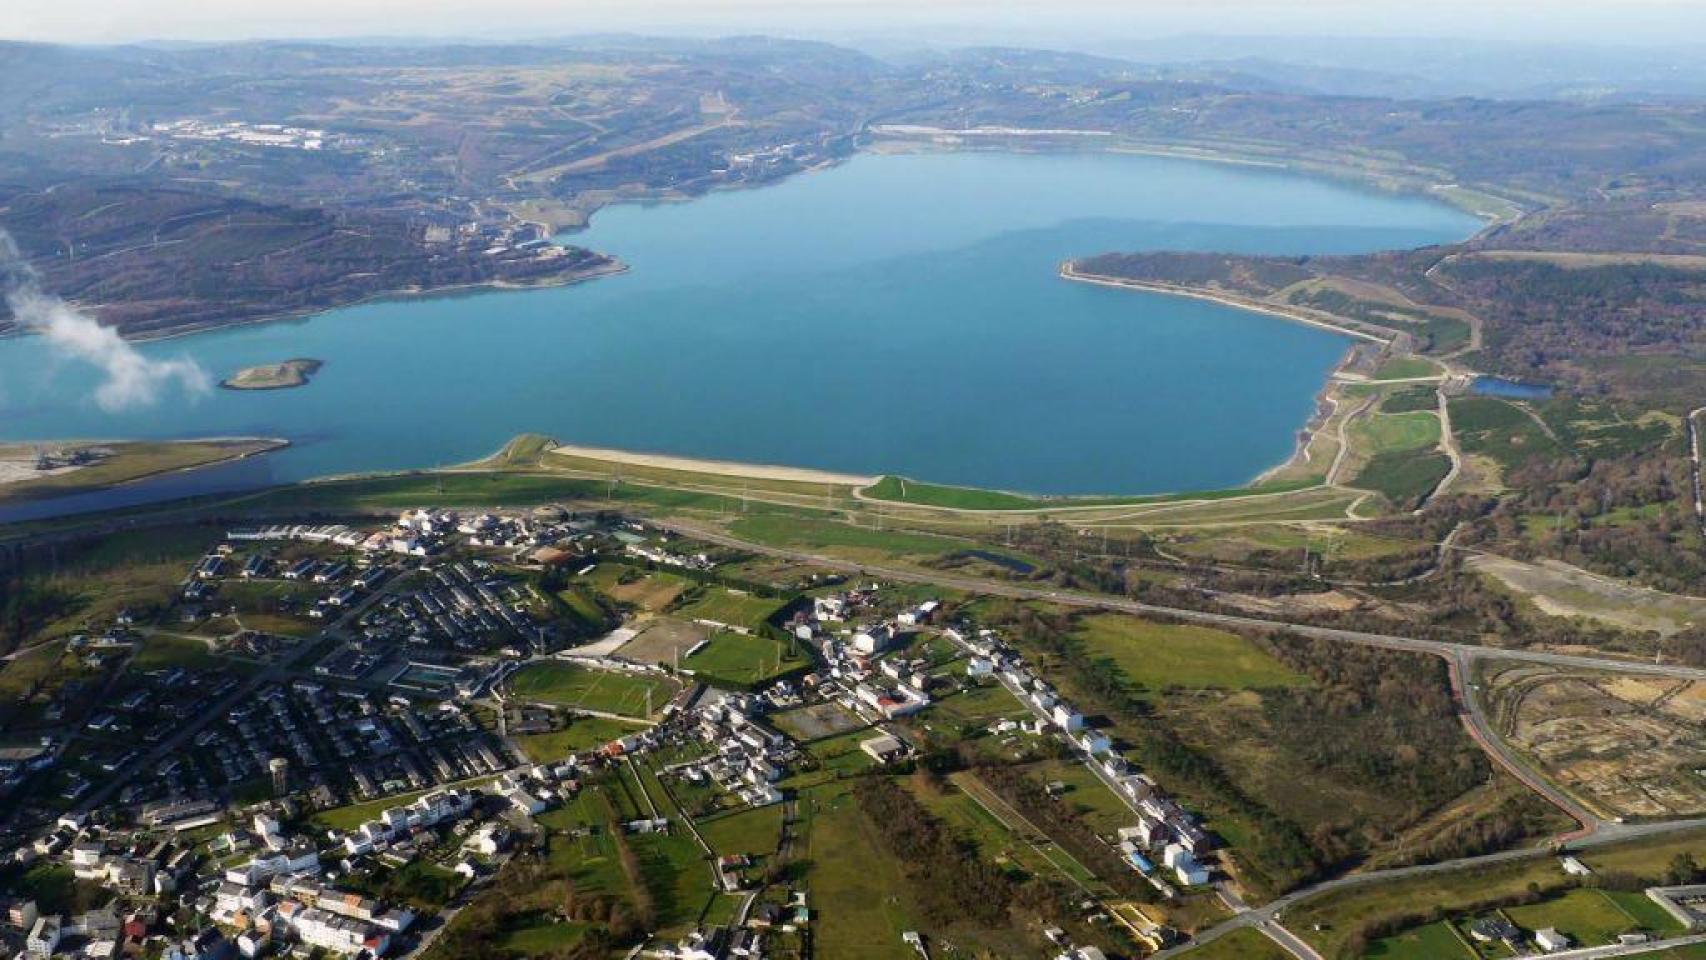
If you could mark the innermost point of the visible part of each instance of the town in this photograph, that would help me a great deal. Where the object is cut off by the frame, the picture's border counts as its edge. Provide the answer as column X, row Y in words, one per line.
column 339, row 738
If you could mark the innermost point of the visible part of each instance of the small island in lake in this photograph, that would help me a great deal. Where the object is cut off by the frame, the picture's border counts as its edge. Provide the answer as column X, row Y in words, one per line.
column 273, row 376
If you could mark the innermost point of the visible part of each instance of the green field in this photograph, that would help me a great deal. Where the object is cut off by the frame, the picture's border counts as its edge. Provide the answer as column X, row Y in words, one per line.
column 160, row 651
column 1404, row 478
column 901, row 490
column 1498, row 429
column 582, row 733
column 743, row 660
column 1406, row 368
column 857, row 902
column 1436, row 941
column 606, row 691
column 1328, row 920
column 1390, row 432
column 754, row 831
column 1406, row 399
column 1588, row 917
column 730, row 608
column 976, row 706
column 1243, row 944
column 787, row 531
column 1158, row 655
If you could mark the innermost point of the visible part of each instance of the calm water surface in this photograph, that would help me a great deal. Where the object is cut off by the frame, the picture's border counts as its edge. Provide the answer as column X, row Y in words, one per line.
column 895, row 314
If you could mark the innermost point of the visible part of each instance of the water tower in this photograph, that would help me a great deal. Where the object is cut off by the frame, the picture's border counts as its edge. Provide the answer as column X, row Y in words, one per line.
column 280, row 769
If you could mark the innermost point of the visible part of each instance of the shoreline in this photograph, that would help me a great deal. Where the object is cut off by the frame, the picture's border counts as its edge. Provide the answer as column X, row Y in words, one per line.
column 613, row 268
column 267, row 445
column 1320, row 321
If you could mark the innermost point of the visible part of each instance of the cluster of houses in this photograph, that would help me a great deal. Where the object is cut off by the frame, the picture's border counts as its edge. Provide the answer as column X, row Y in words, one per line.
column 664, row 557
column 747, row 757
column 279, row 896
column 872, row 685
column 1164, row 829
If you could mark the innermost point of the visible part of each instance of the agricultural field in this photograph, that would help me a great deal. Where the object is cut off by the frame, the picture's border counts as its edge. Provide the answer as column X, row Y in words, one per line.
column 586, row 688
column 744, row 660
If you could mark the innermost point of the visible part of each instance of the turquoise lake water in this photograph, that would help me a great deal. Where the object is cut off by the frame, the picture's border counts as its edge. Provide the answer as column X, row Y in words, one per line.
column 894, row 314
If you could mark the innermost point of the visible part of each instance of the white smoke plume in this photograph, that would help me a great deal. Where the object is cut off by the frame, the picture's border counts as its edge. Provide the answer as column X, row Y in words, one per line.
column 129, row 379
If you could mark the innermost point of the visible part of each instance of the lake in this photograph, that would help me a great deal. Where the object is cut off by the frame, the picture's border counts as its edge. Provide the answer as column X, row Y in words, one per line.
column 894, row 314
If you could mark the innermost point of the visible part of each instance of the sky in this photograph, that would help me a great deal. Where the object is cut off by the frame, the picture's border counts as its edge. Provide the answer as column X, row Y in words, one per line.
column 1068, row 24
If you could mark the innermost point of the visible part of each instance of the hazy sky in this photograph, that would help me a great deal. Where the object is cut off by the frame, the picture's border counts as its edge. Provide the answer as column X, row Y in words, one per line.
column 925, row 21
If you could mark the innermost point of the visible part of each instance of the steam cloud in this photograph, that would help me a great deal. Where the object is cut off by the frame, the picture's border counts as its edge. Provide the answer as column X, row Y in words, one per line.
column 129, row 379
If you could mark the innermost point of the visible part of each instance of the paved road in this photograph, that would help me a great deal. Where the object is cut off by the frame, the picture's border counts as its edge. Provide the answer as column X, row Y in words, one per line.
column 1268, row 913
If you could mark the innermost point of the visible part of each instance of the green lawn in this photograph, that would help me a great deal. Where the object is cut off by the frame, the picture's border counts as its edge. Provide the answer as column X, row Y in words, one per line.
column 787, row 531
column 743, row 660
column 1436, row 941
column 858, row 905
column 1389, row 432
column 980, row 705
column 1158, row 655
column 546, row 938
column 753, row 831
column 160, row 651
column 582, row 733
column 1244, row 944
column 1588, row 917
column 607, row 691
column 1406, row 368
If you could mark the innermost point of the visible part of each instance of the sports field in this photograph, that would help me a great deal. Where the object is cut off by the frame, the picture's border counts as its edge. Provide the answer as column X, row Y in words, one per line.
column 742, row 660
column 588, row 688
column 730, row 607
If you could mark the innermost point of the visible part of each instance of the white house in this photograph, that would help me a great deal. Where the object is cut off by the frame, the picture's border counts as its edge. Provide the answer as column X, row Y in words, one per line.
column 1067, row 718
column 1550, row 940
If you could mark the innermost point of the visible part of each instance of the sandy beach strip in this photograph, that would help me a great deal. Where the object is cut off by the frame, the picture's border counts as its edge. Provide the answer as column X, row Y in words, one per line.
column 721, row 468
column 1069, row 271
